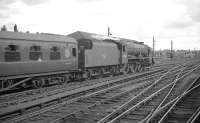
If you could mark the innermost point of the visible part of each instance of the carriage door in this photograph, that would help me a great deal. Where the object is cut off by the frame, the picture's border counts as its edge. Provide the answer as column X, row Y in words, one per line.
column 83, row 44
column 81, row 57
column 124, row 54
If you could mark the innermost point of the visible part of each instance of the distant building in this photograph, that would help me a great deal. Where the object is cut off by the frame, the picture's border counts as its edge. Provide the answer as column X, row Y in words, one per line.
column 177, row 53
column 4, row 28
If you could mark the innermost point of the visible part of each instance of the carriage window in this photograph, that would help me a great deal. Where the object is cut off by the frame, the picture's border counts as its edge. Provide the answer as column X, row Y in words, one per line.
column 12, row 48
column 12, row 53
column 35, row 48
column 55, row 53
column 35, row 53
column 74, row 52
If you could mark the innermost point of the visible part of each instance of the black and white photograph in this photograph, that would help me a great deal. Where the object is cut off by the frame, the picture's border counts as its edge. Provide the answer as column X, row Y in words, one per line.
column 99, row 61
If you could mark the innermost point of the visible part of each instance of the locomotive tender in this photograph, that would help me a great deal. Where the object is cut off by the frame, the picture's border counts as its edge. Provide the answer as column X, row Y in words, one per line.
column 99, row 54
column 39, row 59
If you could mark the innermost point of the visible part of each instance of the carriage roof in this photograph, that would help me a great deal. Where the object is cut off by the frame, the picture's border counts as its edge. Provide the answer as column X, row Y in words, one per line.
column 35, row 37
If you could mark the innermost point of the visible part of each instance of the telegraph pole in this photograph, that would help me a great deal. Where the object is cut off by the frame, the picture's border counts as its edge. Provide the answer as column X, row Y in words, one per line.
column 109, row 31
column 171, row 50
column 153, row 46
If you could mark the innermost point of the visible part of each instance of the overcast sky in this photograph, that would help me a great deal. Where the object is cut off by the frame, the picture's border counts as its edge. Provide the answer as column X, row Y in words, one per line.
column 177, row 20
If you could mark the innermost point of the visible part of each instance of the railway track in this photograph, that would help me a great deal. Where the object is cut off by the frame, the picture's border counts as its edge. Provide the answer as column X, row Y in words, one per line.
column 50, row 114
column 184, row 108
column 55, row 99
column 24, row 96
column 11, row 97
column 8, row 91
column 16, row 98
column 44, row 99
column 140, row 108
column 96, row 105
column 180, row 85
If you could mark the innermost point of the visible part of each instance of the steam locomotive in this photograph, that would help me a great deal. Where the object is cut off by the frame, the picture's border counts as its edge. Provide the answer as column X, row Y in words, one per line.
column 40, row 59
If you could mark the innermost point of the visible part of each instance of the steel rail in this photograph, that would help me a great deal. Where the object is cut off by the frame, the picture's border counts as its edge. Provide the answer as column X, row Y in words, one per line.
column 60, row 96
column 162, row 102
column 41, row 98
column 194, row 116
column 120, row 95
column 118, row 110
column 180, row 98
column 161, row 110
column 162, row 107
column 168, row 86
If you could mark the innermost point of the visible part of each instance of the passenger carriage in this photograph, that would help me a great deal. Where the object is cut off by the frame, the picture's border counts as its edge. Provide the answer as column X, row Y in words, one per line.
column 35, row 57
